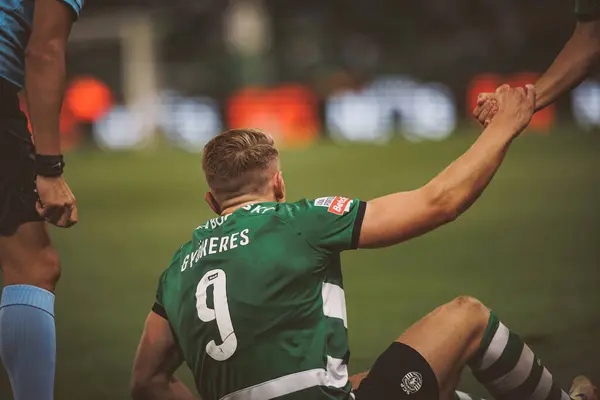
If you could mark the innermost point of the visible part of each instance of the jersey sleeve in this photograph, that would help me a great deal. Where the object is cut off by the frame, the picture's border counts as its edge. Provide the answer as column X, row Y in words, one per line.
column 331, row 224
column 159, row 306
column 587, row 10
column 75, row 5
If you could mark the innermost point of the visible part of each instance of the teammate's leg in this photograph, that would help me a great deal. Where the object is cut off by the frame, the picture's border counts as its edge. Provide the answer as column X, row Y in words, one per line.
column 428, row 358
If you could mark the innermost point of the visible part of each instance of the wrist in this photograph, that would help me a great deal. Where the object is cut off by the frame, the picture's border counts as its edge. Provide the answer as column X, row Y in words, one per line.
column 506, row 125
column 49, row 166
column 540, row 101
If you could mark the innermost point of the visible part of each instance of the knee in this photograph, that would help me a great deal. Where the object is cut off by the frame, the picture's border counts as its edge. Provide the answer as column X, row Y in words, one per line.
column 470, row 308
column 467, row 302
column 46, row 268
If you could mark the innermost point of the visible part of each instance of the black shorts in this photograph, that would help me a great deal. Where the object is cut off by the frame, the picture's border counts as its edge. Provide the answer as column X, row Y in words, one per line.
column 399, row 373
column 18, row 195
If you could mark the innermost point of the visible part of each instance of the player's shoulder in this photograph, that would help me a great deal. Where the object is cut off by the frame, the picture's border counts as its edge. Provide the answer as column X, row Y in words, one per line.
column 176, row 260
column 321, row 205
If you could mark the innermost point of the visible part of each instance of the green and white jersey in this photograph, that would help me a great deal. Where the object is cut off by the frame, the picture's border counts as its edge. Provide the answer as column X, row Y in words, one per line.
column 256, row 301
column 587, row 10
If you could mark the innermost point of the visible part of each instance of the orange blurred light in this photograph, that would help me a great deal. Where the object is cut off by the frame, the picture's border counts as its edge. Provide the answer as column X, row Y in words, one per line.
column 88, row 98
column 70, row 132
column 288, row 112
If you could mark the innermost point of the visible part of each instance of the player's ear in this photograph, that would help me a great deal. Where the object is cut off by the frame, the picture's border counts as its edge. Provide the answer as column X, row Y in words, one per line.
column 212, row 202
column 279, row 187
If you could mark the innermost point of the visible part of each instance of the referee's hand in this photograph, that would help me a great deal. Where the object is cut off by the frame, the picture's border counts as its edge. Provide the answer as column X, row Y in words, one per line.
column 57, row 203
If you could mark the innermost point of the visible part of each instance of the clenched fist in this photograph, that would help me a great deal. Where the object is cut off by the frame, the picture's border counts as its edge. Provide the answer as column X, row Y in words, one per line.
column 57, row 203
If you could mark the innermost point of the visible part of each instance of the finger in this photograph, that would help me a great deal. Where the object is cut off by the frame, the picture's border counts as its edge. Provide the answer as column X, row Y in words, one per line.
column 74, row 218
column 39, row 208
column 521, row 91
column 483, row 97
column 478, row 110
column 531, row 93
column 481, row 107
column 52, row 214
column 491, row 116
column 486, row 113
column 64, row 218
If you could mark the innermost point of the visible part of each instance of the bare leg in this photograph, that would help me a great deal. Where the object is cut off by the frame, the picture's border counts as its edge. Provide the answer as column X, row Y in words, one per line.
column 28, row 258
column 357, row 379
column 448, row 338
column 30, row 271
column 464, row 332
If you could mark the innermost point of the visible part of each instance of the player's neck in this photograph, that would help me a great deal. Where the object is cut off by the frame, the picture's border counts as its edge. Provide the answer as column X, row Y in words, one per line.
column 234, row 204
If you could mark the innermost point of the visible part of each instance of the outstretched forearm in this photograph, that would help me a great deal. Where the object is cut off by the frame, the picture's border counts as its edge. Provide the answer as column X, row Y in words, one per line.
column 573, row 64
column 401, row 216
column 462, row 182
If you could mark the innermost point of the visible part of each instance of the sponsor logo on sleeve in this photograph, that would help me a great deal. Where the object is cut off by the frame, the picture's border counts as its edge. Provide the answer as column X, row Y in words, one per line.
column 340, row 205
column 324, row 201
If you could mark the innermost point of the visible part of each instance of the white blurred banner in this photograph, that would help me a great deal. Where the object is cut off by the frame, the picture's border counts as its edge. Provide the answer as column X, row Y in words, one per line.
column 392, row 104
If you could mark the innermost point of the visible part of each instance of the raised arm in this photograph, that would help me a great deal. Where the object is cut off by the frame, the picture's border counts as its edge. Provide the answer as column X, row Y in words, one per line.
column 157, row 358
column 572, row 65
column 397, row 217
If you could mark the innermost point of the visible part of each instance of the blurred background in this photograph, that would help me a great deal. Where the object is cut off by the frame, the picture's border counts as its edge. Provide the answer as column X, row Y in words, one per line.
column 364, row 98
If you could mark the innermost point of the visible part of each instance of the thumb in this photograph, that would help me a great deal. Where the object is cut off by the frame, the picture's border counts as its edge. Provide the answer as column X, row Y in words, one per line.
column 530, row 91
column 39, row 207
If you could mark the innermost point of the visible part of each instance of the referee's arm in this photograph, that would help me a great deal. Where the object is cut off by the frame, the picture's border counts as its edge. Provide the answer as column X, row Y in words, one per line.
column 45, row 72
column 573, row 64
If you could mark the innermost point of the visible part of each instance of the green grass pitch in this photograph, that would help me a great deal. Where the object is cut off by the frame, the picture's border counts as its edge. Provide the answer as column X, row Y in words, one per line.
column 529, row 249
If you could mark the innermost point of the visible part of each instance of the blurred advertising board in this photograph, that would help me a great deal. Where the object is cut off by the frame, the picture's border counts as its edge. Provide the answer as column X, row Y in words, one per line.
column 386, row 108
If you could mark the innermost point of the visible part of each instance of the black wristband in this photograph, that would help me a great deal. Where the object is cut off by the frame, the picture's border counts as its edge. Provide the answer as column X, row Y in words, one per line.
column 49, row 166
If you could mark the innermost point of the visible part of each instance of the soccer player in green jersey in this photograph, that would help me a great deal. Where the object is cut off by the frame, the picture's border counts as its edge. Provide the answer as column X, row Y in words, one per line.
column 254, row 302
column 574, row 63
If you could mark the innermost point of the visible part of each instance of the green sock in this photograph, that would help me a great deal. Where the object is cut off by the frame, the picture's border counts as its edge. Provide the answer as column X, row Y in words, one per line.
column 509, row 369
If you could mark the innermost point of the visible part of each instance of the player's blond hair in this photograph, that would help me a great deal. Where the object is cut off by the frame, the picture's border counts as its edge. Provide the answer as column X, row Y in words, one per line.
column 238, row 162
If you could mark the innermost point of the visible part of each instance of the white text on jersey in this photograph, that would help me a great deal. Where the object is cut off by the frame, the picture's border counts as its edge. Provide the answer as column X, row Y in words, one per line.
column 214, row 245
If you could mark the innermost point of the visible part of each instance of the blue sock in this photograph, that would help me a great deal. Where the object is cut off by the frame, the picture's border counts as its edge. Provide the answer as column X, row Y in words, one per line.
column 28, row 341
